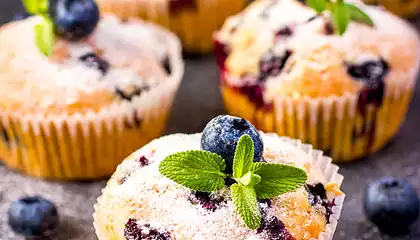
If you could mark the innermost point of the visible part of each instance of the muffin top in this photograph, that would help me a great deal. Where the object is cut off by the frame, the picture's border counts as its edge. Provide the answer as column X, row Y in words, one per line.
column 293, row 51
column 140, row 201
column 117, row 63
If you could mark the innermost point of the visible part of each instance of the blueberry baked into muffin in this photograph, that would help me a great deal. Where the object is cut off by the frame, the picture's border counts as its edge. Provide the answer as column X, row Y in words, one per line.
column 78, row 92
column 344, row 85
column 406, row 8
column 194, row 21
column 229, row 182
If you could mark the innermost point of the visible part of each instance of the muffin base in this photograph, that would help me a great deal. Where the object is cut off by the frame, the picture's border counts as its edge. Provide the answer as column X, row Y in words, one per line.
column 108, row 220
column 89, row 145
column 195, row 26
column 331, row 124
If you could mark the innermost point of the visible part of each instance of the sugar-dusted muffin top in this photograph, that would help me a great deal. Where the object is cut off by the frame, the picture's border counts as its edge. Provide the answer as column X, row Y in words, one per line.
column 117, row 63
column 295, row 52
column 139, row 201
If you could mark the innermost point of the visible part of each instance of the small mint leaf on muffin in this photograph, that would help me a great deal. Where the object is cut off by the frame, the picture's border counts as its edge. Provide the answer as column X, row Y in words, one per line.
column 317, row 5
column 44, row 36
column 35, row 6
column 197, row 170
column 341, row 16
column 249, row 179
column 277, row 179
column 246, row 204
column 341, row 12
column 244, row 156
column 44, row 31
column 358, row 15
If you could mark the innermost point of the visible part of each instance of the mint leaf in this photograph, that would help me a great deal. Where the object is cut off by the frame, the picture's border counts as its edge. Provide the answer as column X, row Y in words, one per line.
column 197, row 170
column 358, row 15
column 317, row 5
column 277, row 179
column 244, row 156
column 250, row 179
column 246, row 205
column 44, row 36
column 35, row 6
column 340, row 15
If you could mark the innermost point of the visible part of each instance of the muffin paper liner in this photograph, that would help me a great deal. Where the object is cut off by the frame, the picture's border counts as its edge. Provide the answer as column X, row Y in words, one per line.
column 333, row 124
column 321, row 162
column 194, row 25
column 91, row 145
column 330, row 172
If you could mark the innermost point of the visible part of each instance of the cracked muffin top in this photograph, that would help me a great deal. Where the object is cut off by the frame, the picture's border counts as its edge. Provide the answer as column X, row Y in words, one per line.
column 140, row 203
column 115, row 64
column 293, row 51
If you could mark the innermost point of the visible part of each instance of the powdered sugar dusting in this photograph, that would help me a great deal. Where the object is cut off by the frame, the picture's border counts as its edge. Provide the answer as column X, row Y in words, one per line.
column 133, row 49
column 153, row 199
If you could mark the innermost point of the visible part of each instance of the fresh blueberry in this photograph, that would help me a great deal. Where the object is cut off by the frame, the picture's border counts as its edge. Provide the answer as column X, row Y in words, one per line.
column 74, row 19
column 391, row 204
column 222, row 133
column 20, row 16
column 94, row 61
column 32, row 216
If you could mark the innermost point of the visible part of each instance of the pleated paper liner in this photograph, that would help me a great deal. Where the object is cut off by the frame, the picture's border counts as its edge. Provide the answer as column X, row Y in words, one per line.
column 332, row 124
column 88, row 146
column 321, row 162
column 193, row 24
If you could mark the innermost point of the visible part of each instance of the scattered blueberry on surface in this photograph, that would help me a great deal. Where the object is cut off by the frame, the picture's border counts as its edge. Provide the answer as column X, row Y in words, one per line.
column 391, row 204
column 21, row 16
column 222, row 133
column 74, row 19
column 32, row 216
column 94, row 61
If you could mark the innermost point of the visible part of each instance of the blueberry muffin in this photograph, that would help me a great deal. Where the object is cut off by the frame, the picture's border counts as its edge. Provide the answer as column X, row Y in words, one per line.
column 104, row 90
column 142, row 201
column 406, row 8
column 194, row 21
column 295, row 75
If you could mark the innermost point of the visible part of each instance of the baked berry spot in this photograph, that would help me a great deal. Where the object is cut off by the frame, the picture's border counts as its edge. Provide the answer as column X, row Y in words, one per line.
column 94, row 61
column 271, row 64
column 176, row 6
column 221, row 53
column 328, row 28
column 143, row 161
column 284, row 32
column 318, row 196
column 129, row 96
column 135, row 231
column 271, row 227
column 372, row 74
column 167, row 65
column 206, row 200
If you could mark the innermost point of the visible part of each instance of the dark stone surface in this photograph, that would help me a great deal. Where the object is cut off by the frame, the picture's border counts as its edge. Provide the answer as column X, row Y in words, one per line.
column 197, row 102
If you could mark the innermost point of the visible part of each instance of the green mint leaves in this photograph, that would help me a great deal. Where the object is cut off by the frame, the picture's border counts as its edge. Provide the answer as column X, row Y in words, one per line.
column 44, row 31
column 197, row 170
column 341, row 12
column 204, row 171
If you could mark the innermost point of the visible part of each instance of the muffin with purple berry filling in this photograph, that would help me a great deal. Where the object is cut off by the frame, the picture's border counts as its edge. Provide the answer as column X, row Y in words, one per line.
column 194, row 21
column 79, row 91
column 228, row 182
column 330, row 73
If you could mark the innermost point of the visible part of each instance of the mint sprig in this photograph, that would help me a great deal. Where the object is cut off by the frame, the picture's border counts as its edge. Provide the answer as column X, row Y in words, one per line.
column 341, row 12
column 205, row 171
column 44, row 31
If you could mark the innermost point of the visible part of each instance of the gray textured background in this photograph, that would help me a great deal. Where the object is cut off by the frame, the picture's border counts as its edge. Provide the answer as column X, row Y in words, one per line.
column 197, row 102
